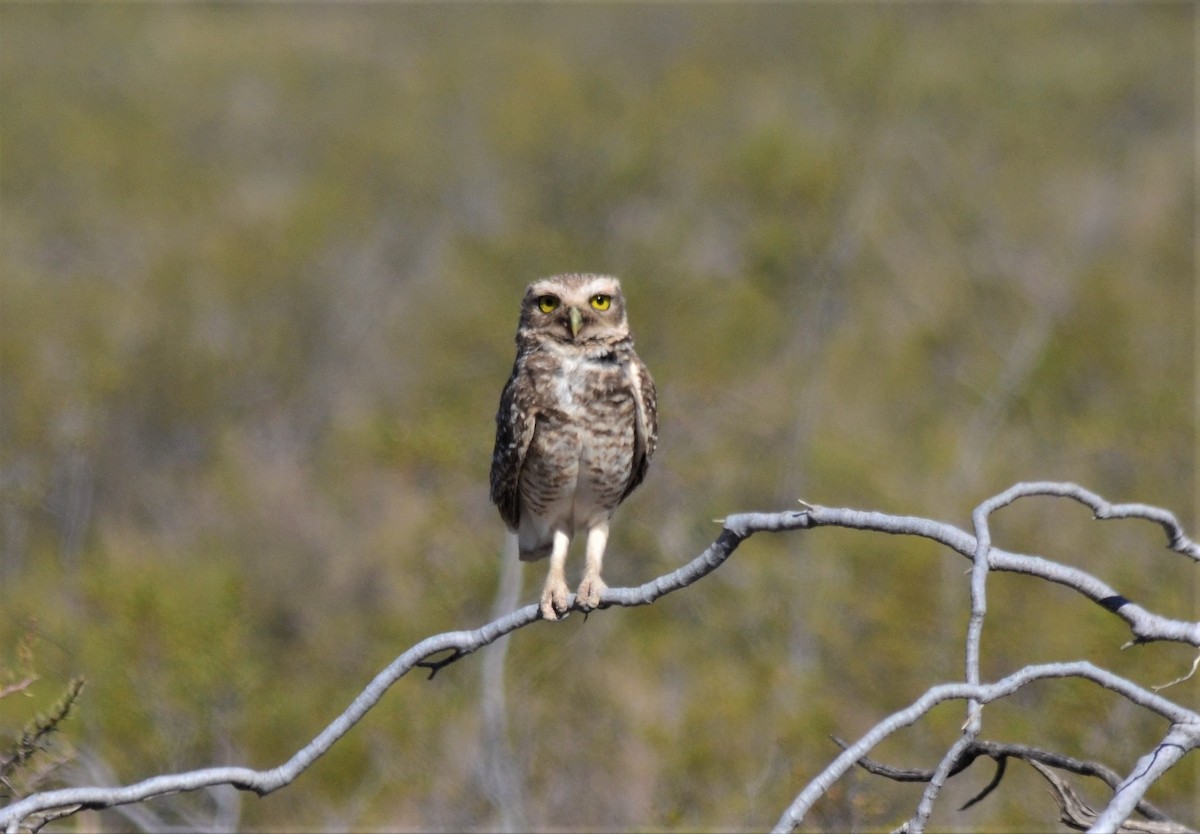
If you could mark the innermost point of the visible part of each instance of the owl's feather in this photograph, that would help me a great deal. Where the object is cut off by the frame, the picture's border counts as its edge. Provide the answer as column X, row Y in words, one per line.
column 646, row 400
column 515, row 421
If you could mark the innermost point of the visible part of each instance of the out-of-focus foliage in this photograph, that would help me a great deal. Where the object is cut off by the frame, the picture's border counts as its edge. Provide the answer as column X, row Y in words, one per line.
column 259, row 273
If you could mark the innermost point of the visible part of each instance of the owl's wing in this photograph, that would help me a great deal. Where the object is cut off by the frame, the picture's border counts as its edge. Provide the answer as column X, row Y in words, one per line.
column 515, row 422
column 646, row 399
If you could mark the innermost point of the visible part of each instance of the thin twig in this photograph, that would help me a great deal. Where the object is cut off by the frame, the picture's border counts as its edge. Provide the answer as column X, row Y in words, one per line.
column 19, row 686
column 1001, row 753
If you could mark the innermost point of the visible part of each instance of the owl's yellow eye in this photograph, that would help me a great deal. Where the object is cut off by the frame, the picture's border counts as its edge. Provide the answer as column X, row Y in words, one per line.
column 547, row 303
column 601, row 302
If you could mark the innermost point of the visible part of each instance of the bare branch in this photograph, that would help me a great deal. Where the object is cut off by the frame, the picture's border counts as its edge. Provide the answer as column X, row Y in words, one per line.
column 1101, row 509
column 452, row 645
column 437, row 652
column 974, row 722
column 1146, row 626
column 1182, row 738
column 916, row 825
column 985, row 694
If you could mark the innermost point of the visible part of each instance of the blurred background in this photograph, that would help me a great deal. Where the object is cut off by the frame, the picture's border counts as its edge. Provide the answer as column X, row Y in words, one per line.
column 261, row 268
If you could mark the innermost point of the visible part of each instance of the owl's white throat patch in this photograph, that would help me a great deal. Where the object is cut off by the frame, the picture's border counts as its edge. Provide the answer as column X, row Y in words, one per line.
column 567, row 378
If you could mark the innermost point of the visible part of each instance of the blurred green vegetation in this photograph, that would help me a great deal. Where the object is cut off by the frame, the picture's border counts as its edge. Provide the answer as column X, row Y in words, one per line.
column 260, row 272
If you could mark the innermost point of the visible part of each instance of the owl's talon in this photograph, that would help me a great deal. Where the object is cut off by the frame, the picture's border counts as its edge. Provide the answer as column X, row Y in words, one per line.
column 590, row 590
column 556, row 601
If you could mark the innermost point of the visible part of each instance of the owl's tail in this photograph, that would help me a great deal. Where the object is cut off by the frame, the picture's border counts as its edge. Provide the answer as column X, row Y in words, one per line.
column 531, row 547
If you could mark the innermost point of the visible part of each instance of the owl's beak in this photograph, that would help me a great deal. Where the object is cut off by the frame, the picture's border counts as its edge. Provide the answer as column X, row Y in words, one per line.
column 576, row 318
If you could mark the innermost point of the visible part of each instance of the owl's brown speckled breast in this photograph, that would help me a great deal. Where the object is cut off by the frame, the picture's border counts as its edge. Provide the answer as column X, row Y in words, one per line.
column 583, row 446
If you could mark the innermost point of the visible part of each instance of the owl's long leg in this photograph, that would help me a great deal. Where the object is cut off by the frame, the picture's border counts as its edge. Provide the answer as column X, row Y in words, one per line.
column 592, row 585
column 556, row 594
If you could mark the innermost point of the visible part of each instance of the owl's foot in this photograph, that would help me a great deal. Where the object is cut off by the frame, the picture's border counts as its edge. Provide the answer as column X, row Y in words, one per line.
column 556, row 598
column 590, row 589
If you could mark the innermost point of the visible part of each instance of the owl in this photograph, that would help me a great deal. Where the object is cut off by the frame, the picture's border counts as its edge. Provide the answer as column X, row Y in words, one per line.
column 575, row 431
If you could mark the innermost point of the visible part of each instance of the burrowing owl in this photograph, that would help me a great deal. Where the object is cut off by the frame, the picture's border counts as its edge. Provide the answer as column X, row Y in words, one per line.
column 576, row 428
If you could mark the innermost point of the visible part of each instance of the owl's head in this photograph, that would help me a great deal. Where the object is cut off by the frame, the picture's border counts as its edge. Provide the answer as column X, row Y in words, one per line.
column 574, row 309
